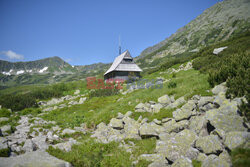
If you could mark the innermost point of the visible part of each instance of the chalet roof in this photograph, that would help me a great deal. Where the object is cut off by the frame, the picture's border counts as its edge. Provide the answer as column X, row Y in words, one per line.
column 117, row 66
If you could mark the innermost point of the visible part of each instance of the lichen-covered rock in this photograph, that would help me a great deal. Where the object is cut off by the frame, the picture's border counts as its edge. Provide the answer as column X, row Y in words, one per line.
column 176, row 103
column 66, row 146
column 116, row 123
column 5, row 128
column 158, row 164
column 178, row 146
column 181, row 114
column 225, row 122
column 214, row 161
column 201, row 157
column 220, row 88
column 3, row 143
column 182, row 162
column 152, row 157
column 131, row 128
column 3, row 119
column 156, row 108
column 166, row 100
column 141, row 107
column 235, row 139
column 197, row 124
column 40, row 142
column 173, row 126
column 150, row 129
column 68, row 131
column 36, row 158
column 209, row 144
column 29, row 146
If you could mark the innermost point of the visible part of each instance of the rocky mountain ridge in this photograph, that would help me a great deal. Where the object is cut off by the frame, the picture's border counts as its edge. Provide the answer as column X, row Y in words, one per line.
column 217, row 23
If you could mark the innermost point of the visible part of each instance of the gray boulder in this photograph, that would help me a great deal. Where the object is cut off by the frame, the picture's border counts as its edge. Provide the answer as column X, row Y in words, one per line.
column 40, row 142
column 150, row 130
column 82, row 100
column 225, row 122
column 178, row 146
column 220, row 88
column 209, row 144
column 3, row 119
column 5, row 128
column 29, row 146
column 116, row 123
column 66, row 146
column 131, row 128
column 236, row 139
column 3, row 143
column 182, row 162
column 68, row 131
column 199, row 125
column 37, row 159
column 214, row 161
column 166, row 100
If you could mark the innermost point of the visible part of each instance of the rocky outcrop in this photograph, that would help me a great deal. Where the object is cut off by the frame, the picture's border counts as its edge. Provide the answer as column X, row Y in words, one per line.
column 203, row 129
column 37, row 158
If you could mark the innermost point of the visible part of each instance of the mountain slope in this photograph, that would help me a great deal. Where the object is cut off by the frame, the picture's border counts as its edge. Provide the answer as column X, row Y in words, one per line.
column 52, row 64
column 218, row 23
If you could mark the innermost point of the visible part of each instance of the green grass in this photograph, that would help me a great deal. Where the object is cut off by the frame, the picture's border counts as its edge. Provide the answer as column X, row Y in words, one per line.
column 196, row 163
column 13, row 119
column 102, row 109
column 91, row 153
column 241, row 157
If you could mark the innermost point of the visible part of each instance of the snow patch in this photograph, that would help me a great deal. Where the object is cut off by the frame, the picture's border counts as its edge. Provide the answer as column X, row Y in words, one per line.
column 218, row 50
column 7, row 73
column 20, row 72
column 42, row 70
column 29, row 70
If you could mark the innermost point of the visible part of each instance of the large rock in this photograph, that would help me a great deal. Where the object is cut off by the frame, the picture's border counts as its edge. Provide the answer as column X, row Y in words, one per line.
column 199, row 125
column 131, row 128
column 116, row 123
column 150, row 130
column 29, row 146
column 68, row 131
column 3, row 119
column 141, row 107
column 220, row 88
column 153, row 157
column 3, row 143
column 66, row 146
column 37, row 159
column 156, row 107
column 6, row 128
column 82, row 100
column 215, row 161
column 173, row 126
column 177, row 103
column 225, row 122
column 236, row 139
column 180, row 114
column 40, row 142
column 178, row 146
column 182, row 162
column 166, row 100
column 209, row 144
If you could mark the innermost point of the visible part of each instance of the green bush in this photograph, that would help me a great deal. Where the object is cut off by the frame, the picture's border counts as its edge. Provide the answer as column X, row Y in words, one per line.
column 103, row 92
column 172, row 84
column 17, row 102
column 5, row 152
column 231, row 65
column 240, row 157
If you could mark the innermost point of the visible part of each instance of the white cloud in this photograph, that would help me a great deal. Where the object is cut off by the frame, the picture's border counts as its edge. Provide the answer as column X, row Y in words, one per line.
column 12, row 55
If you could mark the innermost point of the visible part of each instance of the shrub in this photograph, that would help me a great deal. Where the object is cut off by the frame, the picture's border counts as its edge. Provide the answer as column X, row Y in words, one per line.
column 240, row 157
column 103, row 92
column 172, row 84
column 5, row 152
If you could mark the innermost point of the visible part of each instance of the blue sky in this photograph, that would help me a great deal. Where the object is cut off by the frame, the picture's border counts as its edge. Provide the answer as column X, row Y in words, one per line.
column 86, row 31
